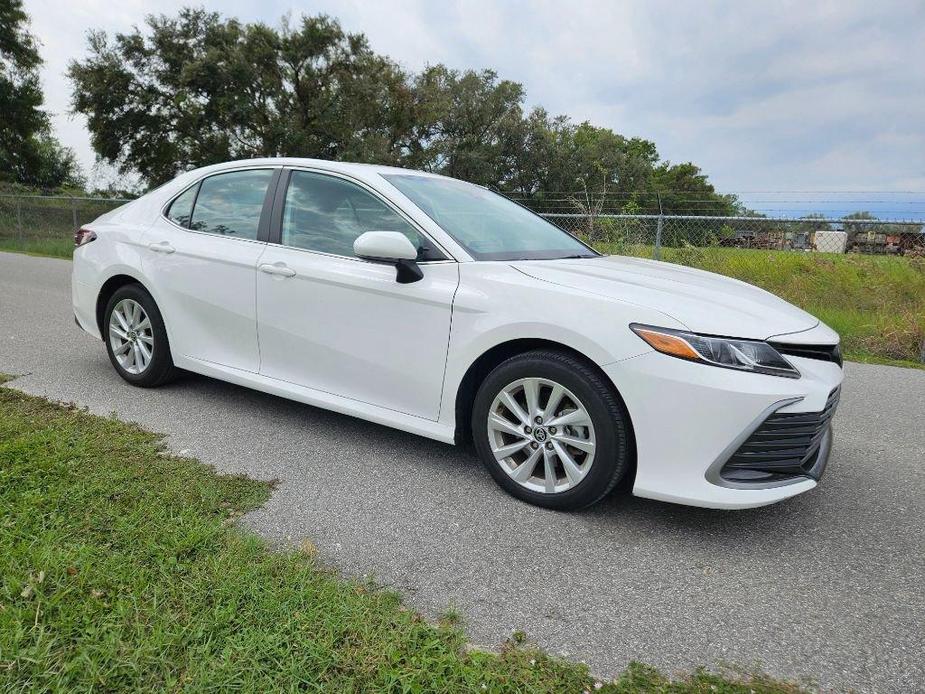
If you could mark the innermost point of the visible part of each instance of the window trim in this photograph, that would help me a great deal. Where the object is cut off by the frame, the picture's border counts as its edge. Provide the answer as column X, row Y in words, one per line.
column 279, row 204
column 263, row 223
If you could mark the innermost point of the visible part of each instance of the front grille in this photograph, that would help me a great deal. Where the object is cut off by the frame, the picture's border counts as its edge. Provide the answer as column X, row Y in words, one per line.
column 784, row 446
column 821, row 352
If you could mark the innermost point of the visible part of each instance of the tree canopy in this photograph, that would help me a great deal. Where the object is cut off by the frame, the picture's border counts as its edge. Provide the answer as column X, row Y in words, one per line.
column 196, row 88
column 29, row 154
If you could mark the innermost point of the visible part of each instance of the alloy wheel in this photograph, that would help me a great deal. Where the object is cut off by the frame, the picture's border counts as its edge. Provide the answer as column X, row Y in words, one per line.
column 131, row 336
column 541, row 435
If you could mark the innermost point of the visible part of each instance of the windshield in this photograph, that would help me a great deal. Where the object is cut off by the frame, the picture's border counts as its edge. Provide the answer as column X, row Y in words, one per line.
column 486, row 224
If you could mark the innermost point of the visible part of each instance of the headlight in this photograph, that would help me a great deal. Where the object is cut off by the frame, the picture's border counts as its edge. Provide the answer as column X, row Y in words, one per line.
column 744, row 355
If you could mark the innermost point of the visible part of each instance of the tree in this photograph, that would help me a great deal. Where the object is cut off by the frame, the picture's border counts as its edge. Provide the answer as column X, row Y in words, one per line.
column 866, row 223
column 861, row 216
column 684, row 189
column 593, row 170
column 29, row 154
column 196, row 89
column 540, row 144
column 470, row 124
column 815, row 221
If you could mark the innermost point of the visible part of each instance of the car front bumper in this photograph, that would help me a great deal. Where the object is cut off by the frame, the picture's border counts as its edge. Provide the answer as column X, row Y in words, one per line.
column 690, row 420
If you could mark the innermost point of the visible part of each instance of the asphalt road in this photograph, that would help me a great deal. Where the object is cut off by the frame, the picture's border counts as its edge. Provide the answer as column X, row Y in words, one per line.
column 828, row 585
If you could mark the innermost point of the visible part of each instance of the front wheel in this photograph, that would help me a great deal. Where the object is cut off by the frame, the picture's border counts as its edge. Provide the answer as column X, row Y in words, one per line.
column 551, row 430
column 136, row 339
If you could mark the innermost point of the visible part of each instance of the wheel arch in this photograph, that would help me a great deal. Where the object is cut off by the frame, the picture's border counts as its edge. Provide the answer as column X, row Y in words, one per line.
column 108, row 288
column 488, row 360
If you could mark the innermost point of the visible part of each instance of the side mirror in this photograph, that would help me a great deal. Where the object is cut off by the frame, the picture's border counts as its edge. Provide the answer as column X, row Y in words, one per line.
column 390, row 247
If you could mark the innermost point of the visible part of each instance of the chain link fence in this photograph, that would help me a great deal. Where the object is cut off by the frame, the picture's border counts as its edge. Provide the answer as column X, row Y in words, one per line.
column 47, row 223
column 30, row 220
column 653, row 235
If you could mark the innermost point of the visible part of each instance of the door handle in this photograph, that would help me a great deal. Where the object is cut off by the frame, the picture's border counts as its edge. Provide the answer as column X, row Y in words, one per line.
column 278, row 269
column 162, row 247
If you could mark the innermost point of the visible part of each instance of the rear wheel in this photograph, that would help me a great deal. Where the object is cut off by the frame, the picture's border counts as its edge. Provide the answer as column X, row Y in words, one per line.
column 551, row 431
column 136, row 339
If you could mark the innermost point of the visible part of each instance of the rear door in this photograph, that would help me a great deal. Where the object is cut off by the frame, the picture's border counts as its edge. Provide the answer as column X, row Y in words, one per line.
column 201, row 257
column 333, row 322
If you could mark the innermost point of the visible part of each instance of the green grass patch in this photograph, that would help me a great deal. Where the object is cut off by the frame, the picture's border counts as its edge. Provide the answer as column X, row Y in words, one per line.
column 875, row 302
column 121, row 568
column 53, row 248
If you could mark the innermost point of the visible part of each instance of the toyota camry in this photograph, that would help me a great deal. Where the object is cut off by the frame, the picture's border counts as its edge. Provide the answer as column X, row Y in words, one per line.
column 445, row 310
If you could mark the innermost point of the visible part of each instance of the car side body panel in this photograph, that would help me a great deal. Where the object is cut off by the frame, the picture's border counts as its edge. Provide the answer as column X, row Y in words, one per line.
column 206, row 287
column 496, row 304
column 117, row 251
column 319, row 398
column 345, row 326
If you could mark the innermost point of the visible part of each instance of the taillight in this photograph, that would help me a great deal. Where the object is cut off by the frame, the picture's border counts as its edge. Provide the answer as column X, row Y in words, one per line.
column 83, row 237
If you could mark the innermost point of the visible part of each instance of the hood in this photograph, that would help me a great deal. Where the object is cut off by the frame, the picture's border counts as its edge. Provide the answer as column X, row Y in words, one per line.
column 702, row 301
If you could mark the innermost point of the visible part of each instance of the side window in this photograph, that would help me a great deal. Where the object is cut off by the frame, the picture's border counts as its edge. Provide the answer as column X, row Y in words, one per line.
column 182, row 207
column 327, row 214
column 230, row 204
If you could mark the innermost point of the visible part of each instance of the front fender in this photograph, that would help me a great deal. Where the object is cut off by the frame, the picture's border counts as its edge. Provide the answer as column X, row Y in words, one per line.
column 496, row 304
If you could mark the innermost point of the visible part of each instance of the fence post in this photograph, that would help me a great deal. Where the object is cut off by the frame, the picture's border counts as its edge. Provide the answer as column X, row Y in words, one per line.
column 657, row 251
column 74, row 213
column 19, row 217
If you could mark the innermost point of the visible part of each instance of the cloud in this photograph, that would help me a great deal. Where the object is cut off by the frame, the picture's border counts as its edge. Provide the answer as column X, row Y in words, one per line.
column 789, row 95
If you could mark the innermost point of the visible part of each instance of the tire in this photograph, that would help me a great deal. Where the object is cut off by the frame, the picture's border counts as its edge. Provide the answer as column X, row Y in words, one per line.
column 158, row 368
column 584, row 396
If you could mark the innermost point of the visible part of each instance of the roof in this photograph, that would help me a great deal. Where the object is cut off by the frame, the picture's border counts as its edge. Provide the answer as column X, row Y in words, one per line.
column 356, row 169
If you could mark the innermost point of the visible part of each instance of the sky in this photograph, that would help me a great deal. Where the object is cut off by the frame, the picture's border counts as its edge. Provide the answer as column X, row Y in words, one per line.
column 826, row 98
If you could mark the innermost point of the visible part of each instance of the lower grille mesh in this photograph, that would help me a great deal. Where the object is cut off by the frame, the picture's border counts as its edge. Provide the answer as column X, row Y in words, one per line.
column 784, row 446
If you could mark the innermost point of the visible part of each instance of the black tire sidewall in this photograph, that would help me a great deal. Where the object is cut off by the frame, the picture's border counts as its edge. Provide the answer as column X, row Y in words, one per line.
column 161, row 364
column 608, row 415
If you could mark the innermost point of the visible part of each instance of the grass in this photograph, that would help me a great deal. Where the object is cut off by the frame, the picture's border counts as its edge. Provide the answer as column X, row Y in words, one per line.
column 875, row 302
column 121, row 568
column 51, row 247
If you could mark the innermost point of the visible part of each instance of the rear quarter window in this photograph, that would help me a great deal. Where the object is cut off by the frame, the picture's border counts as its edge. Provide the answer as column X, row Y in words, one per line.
column 181, row 209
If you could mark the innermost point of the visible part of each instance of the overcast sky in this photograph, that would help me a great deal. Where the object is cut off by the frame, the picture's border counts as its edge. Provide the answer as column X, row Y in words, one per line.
column 813, row 96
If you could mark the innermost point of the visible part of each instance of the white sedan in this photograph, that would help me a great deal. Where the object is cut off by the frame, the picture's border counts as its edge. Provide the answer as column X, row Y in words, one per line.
column 445, row 310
